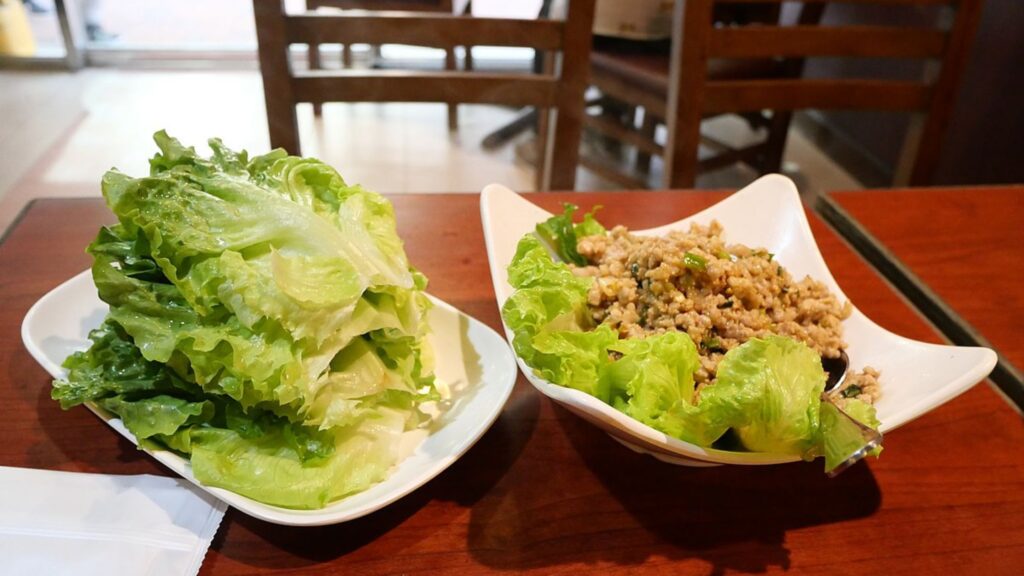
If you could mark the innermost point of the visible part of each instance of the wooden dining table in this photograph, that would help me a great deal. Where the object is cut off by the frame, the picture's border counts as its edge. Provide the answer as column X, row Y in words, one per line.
column 958, row 257
column 543, row 491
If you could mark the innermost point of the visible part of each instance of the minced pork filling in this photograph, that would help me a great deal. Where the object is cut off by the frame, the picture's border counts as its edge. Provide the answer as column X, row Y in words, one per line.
column 720, row 294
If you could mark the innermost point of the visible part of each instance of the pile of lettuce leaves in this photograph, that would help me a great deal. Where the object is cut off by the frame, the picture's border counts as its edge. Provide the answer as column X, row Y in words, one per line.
column 768, row 392
column 264, row 322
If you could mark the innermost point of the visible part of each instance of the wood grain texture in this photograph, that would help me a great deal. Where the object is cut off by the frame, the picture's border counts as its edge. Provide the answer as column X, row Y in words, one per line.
column 895, row 2
column 573, row 65
column 724, row 96
column 966, row 245
column 436, row 30
column 271, row 36
column 707, row 31
column 560, row 92
column 685, row 101
column 850, row 41
column 543, row 492
column 352, row 85
column 444, row 6
column 380, row 5
column 940, row 111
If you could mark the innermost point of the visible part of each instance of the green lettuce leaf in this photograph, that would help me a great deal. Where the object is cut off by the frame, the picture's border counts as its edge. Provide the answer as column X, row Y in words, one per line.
column 91, row 374
column 589, row 226
column 548, row 317
column 264, row 321
column 779, row 381
column 841, row 437
column 162, row 414
column 768, row 390
column 561, row 235
column 211, row 232
column 652, row 381
column 269, row 469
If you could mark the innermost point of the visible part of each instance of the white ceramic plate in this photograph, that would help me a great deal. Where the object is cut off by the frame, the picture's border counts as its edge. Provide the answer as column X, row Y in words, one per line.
column 916, row 376
column 472, row 360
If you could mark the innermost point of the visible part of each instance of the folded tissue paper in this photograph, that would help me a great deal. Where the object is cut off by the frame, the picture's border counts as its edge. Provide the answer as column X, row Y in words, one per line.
column 83, row 524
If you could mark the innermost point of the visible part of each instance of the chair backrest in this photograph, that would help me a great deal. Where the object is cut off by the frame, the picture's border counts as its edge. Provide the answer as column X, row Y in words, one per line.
column 932, row 96
column 561, row 90
column 379, row 5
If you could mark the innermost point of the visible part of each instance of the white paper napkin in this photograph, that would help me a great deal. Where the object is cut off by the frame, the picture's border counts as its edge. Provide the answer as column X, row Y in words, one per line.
column 84, row 524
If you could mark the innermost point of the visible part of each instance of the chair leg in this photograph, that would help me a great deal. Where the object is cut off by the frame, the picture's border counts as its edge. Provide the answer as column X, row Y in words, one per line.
column 346, row 56
column 453, row 109
column 620, row 113
column 918, row 157
column 775, row 145
column 647, row 129
column 314, row 64
column 283, row 124
column 542, row 179
column 467, row 63
column 564, row 147
column 681, row 152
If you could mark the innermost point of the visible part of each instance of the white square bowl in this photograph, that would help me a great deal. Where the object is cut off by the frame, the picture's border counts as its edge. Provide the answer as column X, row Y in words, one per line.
column 471, row 359
column 916, row 376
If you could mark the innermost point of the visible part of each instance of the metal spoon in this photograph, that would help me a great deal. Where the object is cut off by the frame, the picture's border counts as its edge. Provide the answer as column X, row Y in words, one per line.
column 836, row 370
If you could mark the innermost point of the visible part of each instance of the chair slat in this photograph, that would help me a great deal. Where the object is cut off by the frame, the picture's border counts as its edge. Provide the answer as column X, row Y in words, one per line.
column 382, row 5
column 603, row 169
column 434, row 30
column 624, row 134
column 712, row 32
column 558, row 90
column 849, row 41
column 403, row 86
column 795, row 94
column 892, row 2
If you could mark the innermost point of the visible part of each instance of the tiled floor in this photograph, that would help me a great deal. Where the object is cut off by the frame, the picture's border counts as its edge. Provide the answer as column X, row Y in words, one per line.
column 60, row 132
column 206, row 24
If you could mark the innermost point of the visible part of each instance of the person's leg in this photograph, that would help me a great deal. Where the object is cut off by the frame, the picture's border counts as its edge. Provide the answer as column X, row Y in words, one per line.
column 93, row 27
column 34, row 7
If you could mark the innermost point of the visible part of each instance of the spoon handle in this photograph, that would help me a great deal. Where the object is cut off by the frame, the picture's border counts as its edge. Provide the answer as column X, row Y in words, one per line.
column 846, row 440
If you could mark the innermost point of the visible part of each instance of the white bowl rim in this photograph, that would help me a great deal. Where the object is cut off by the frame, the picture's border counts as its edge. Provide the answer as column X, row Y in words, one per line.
column 335, row 512
column 579, row 400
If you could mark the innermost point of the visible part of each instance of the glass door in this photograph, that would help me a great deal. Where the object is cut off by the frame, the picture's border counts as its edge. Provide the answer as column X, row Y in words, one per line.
column 37, row 34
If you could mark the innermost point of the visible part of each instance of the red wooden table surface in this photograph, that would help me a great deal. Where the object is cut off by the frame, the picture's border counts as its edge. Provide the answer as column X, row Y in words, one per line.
column 966, row 244
column 544, row 492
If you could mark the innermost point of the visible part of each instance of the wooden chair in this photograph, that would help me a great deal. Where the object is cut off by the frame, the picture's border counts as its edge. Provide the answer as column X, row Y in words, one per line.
column 441, row 6
column 722, row 65
column 562, row 91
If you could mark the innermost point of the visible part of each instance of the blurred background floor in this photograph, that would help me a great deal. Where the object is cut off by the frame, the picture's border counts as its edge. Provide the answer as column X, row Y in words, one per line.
column 62, row 131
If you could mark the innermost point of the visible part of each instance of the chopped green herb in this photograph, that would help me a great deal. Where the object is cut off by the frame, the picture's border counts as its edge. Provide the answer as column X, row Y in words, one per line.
column 852, row 391
column 724, row 255
column 726, row 304
column 712, row 344
column 778, row 271
column 635, row 270
column 695, row 262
